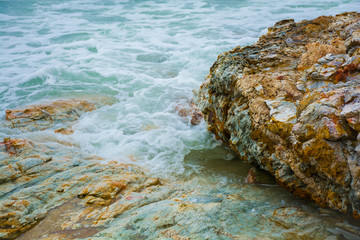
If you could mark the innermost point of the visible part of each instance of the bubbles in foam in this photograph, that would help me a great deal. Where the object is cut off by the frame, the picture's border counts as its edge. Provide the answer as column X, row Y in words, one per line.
column 149, row 55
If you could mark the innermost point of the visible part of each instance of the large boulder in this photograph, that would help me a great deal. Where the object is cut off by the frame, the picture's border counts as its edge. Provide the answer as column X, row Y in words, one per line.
column 290, row 103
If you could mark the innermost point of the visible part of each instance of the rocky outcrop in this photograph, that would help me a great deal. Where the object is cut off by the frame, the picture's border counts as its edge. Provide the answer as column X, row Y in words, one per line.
column 291, row 104
column 53, row 190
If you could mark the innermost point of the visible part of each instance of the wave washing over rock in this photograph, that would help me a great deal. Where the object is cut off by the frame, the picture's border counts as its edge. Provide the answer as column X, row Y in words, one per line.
column 100, row 139
column 291, row 104
column 53, row 190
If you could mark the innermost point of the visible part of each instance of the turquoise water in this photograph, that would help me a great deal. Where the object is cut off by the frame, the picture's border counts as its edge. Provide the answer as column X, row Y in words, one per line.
column 147, row 56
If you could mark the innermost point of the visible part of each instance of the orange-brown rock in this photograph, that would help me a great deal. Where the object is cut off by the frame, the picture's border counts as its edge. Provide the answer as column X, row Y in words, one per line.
column 291, row 104
column 64, row 131
column 189, row 112
column 53, row 114
column 54, row 190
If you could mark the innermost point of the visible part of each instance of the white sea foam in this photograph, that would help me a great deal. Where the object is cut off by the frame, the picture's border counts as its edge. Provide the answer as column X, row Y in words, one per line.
column 149, row 55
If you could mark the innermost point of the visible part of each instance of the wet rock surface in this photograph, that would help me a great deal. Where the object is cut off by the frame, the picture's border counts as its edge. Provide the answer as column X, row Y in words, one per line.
column 61, row 113
column 189, row 113
column 290, row 103
column 53, row 190
column 37, row 177
column 34, row 183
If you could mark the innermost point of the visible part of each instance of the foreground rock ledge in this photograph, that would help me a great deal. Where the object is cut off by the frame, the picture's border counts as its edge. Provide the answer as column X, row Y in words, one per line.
column 291, row 104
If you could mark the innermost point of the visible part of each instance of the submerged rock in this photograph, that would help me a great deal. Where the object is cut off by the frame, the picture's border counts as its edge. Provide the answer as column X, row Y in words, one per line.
column 189, row 113
column 291, row 104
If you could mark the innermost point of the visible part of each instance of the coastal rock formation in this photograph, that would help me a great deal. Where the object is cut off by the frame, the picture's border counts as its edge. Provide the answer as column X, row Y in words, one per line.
column 53, row 190
column 290, row 103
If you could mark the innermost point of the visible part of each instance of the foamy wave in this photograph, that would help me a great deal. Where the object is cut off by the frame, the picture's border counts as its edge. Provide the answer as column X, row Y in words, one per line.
column 148, row 55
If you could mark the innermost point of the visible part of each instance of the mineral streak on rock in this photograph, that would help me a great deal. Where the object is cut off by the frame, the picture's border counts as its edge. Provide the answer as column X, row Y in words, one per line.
column 291, row 104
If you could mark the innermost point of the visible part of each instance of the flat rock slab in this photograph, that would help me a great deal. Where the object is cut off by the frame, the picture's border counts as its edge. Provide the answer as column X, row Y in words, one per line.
column 38, row 178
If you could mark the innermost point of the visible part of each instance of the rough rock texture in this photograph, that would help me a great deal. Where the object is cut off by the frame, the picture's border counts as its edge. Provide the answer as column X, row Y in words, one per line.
column 59, row 113
column 36, row 178
column 291, row 104
column 53, row 191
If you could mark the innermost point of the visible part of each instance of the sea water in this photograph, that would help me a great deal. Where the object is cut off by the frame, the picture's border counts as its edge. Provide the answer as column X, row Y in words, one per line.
column 147, row 56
